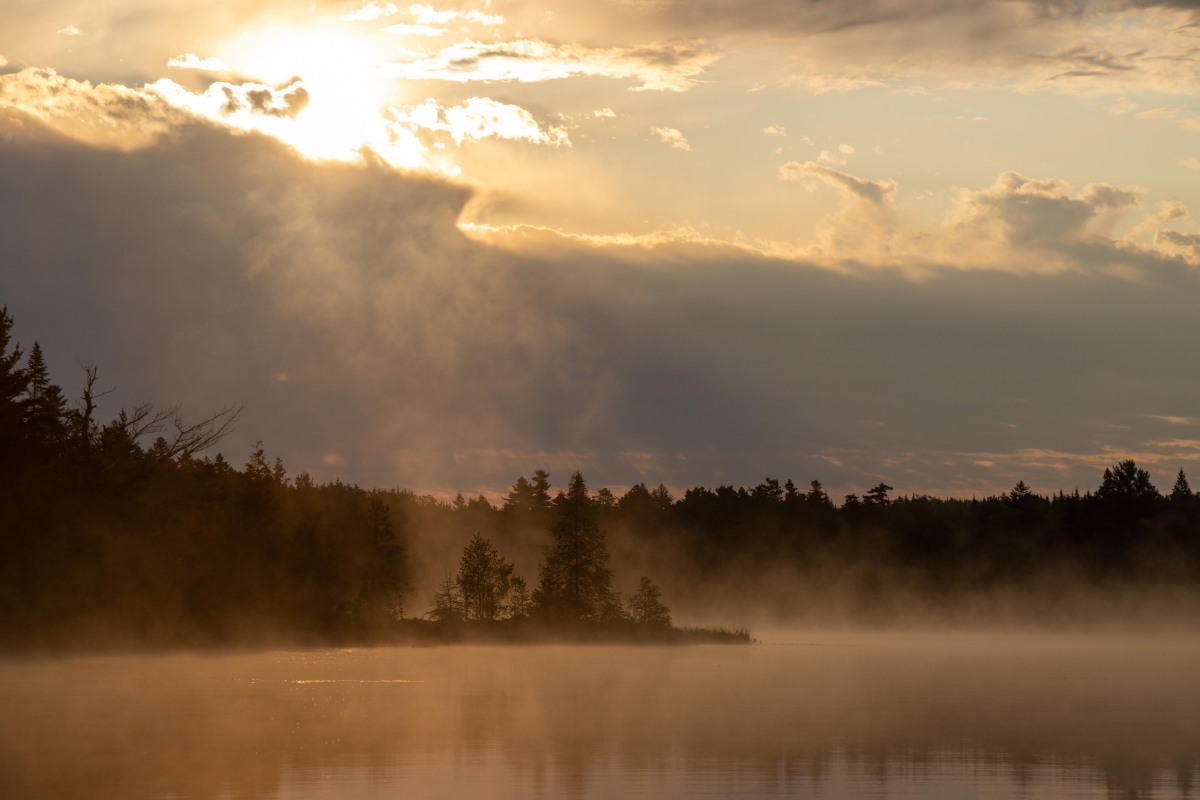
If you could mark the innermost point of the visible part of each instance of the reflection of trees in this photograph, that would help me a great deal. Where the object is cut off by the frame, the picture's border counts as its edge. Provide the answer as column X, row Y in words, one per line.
column 562, row 720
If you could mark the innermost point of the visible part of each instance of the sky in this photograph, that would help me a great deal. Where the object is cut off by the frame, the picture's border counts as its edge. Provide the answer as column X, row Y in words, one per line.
column 944, row 245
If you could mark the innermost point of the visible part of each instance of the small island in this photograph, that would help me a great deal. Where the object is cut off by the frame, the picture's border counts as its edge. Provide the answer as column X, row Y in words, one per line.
column 574, row 600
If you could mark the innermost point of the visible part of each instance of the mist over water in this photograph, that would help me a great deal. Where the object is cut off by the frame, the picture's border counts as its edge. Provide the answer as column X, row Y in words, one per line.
column 807, row 713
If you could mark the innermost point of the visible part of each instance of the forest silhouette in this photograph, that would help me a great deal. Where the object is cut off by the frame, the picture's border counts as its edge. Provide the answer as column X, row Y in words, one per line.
column 126, row 533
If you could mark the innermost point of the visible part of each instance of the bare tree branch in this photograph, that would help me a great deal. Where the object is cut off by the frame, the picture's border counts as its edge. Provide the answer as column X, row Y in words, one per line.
column 181, row 440
column 191, row 439
column 89, row 398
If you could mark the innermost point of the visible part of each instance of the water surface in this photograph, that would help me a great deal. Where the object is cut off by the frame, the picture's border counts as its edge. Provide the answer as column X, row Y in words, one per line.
column 811, row 715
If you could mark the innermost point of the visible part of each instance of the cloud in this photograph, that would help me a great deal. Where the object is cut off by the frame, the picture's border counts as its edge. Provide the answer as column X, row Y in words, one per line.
column 427, row 15
column 1020, row 211
column 1158, row 113
column 1086, row 60
column 394, row 328
column 1094, row 46
column 1018, row 224
column 69, row 30
column 481, row 118
column 335, row 121
column 1164, row 211
column 1185, row 244
column 239, row 101
column 112, row 115
column 834, row 82
column 672, row 136
column 828, row 157
column 1191, row 162
column 874, row 192
column 662, row 66
column 775, row 130
column 193, row 61
column 107, row 115
column 1175, row 420
column 405, row 29
column 370, row 12
column 864, row 227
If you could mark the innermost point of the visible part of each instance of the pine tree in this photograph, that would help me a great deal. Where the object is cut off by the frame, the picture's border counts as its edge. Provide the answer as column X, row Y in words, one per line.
column 519, row 603
column 1126, row 483
column 1020, row 491
column 817, row 497
column 381, row 594
column 646, row 606
column 575, row 580
column 1181, row 490
column 877, row 495
column 484, row 581
column 256, row 466
column 44, row 409
column 662, row 499
column 541, row 492
column 528, row 504
column 13, row 383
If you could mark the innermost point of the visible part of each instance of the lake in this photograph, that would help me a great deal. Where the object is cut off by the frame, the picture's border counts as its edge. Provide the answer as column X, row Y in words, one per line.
column 802, row 715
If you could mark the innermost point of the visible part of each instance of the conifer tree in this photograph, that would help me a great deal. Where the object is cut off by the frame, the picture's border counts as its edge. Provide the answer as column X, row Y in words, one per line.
column 12, row 387
column 381, row 594
column 44, row 406
column 646, row 606
column 816, row 496
column 1181, row 490
column 519, row 603
column 877, row 495
column 1126, row 483
column 528, row 503
column 447, row 602
column 575, row 580
column 484, row 581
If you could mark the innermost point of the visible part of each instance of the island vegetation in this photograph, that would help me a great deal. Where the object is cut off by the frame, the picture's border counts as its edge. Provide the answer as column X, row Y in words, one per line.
column 128, row 532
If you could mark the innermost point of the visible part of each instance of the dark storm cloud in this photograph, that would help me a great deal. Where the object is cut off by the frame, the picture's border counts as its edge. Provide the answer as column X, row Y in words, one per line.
column 344, row 305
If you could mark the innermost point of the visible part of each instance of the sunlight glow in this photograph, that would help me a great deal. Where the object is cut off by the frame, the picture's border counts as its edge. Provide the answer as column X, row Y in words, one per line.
column 346, row 93
column 320, row 92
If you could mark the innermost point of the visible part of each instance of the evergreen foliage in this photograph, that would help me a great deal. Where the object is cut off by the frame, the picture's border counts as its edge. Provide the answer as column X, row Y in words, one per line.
column 1181, row 492
column 485, row 582
column 448, row 604
column 575, row 582
column 123, row 530
column 646, row 606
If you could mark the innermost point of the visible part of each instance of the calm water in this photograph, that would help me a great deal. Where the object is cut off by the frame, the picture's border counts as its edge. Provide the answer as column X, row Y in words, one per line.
column 813, row 715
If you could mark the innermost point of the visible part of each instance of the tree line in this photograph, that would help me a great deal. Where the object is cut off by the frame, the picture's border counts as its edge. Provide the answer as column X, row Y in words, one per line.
column 126, row 531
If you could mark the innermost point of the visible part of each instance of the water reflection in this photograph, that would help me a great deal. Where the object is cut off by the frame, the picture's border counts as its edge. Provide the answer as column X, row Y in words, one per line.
column 843, row 716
